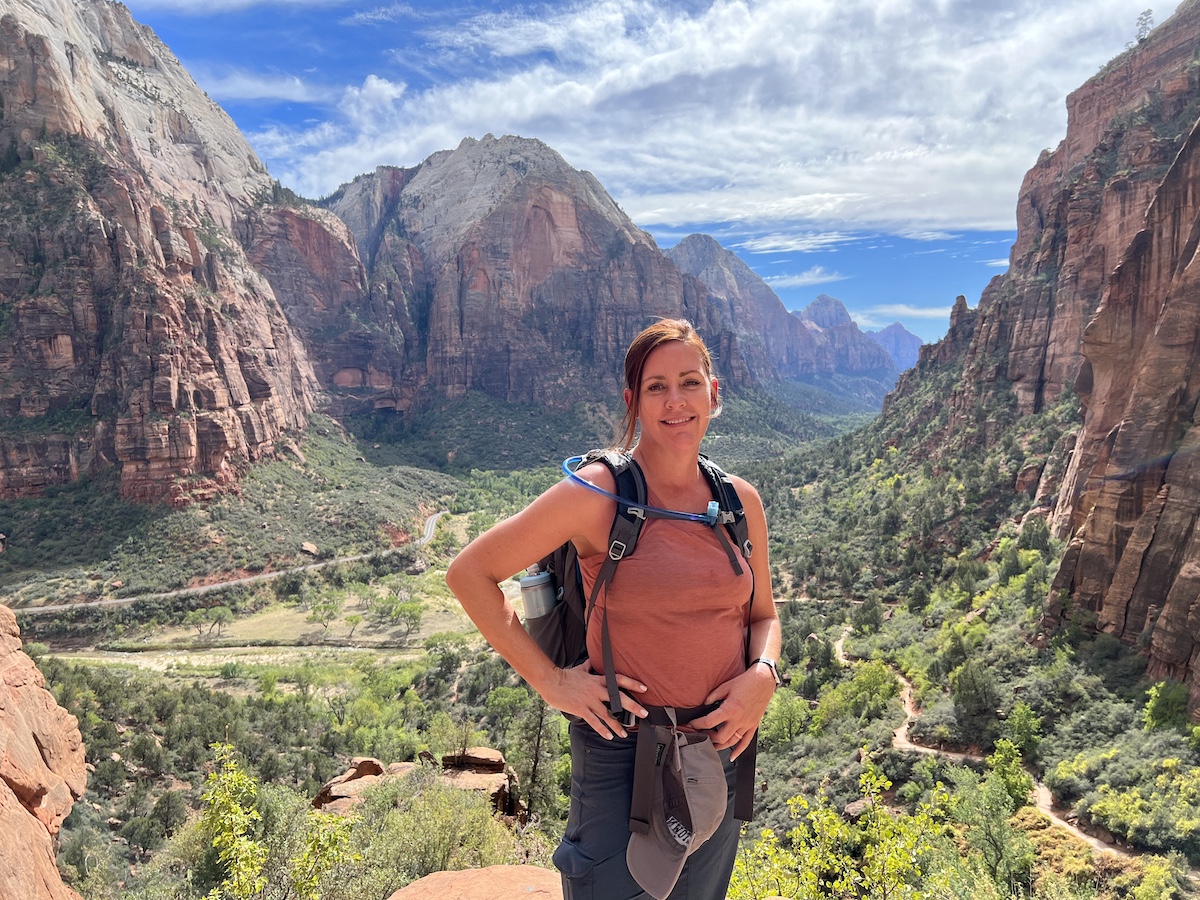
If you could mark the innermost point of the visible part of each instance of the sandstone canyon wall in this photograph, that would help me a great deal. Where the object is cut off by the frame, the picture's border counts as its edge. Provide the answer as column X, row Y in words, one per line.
column 1077, row 210
column 1101, row 298
column 1131, row 496
column 496, row 267
column 168, row 312
column 41, row 773
column 133, row 332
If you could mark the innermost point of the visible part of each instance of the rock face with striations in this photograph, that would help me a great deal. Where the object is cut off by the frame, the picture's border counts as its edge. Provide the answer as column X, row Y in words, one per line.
column 1077, row 210
column 133, row 332
column 1103, row 293
column 496, row 267
column 1131, row 497
column 41, row 773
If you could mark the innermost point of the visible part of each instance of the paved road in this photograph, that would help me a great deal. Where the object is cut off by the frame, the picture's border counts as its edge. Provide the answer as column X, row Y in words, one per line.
column 426, row 537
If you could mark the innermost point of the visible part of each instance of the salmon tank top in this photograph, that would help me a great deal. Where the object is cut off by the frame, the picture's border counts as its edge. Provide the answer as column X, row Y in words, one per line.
column 677, row 612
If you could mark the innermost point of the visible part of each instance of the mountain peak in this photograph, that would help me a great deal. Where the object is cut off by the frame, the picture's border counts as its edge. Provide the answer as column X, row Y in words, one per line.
column 826, row 312
column 452, row 190
column 902, row 345
column 88, row 69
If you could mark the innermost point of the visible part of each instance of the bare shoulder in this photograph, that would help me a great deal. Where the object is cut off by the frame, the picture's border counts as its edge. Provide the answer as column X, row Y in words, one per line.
column 599, row 474
column 586, row 514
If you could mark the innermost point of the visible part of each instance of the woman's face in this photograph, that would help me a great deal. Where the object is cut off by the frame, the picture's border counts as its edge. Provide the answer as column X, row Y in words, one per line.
column 677, row 396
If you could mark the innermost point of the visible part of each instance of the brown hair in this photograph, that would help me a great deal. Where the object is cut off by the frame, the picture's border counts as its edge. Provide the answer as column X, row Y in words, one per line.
column 647, row 341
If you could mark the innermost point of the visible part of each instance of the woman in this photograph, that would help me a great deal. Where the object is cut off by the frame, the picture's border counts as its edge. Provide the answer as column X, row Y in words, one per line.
column 677, row 616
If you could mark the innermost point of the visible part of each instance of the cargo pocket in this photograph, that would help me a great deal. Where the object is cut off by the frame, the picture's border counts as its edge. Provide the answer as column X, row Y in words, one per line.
column 576, row 868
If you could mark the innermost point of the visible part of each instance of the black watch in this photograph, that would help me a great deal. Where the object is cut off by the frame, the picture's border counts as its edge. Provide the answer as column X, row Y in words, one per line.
column 770, row 664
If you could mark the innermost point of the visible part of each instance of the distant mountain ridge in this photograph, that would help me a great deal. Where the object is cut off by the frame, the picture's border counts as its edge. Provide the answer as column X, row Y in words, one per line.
column 902, row 345
column 169, row 311
column 799, row 346
column 852, row 351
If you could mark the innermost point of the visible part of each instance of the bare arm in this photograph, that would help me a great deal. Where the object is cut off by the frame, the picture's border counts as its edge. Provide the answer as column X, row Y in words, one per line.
column 565, row 512
column 744, row 699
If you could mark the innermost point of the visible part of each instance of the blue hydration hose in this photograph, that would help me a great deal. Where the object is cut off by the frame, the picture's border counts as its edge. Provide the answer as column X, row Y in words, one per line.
column 708, row 518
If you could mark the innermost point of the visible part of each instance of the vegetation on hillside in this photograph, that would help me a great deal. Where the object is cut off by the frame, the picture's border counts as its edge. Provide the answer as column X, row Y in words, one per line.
column 81, row 542
column 481, row 433
column 904, row 541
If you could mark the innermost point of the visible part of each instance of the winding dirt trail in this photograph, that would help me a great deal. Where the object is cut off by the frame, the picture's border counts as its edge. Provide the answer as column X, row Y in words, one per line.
column 1043, row 799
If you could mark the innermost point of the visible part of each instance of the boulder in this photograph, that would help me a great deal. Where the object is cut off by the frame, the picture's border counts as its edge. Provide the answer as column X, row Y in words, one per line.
column 492, row 883
column 479, row 769
column 344, row 792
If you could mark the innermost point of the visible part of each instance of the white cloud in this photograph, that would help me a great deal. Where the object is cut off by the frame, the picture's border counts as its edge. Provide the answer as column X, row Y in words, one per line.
column 865, row 321
column 208, row 7
column 997, row 263
column 794, row 243
column 903, row 116
column 397, row 12
column 238, row 84
column 815, row 275
column 892, row 311
column 929, row 236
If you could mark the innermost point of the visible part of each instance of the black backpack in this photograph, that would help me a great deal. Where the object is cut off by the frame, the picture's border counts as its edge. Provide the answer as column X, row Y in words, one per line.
column 562, row 633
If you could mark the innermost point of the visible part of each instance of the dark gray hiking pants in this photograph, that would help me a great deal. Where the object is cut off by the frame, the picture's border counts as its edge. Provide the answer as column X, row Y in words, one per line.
column 591, row 856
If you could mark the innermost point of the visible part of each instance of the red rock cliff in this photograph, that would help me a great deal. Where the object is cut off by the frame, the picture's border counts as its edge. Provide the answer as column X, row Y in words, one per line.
column 497, row 267
column 1103, row 293
column 1131, row 497
column 41, row 773
column 1077, row 210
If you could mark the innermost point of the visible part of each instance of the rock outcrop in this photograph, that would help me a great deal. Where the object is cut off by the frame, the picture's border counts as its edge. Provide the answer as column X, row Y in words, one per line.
column 41, row 773
column 480, row 769
column 492, row 883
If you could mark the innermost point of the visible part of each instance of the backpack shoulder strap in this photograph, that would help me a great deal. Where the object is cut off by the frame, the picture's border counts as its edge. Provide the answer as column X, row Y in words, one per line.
column 622, row 540
column 731, row 514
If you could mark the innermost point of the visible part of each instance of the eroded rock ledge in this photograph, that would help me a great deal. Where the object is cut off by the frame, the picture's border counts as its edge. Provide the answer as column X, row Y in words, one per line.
column 41, row 773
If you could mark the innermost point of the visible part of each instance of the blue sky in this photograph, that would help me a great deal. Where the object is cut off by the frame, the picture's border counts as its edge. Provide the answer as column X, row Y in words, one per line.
column 867, row 149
